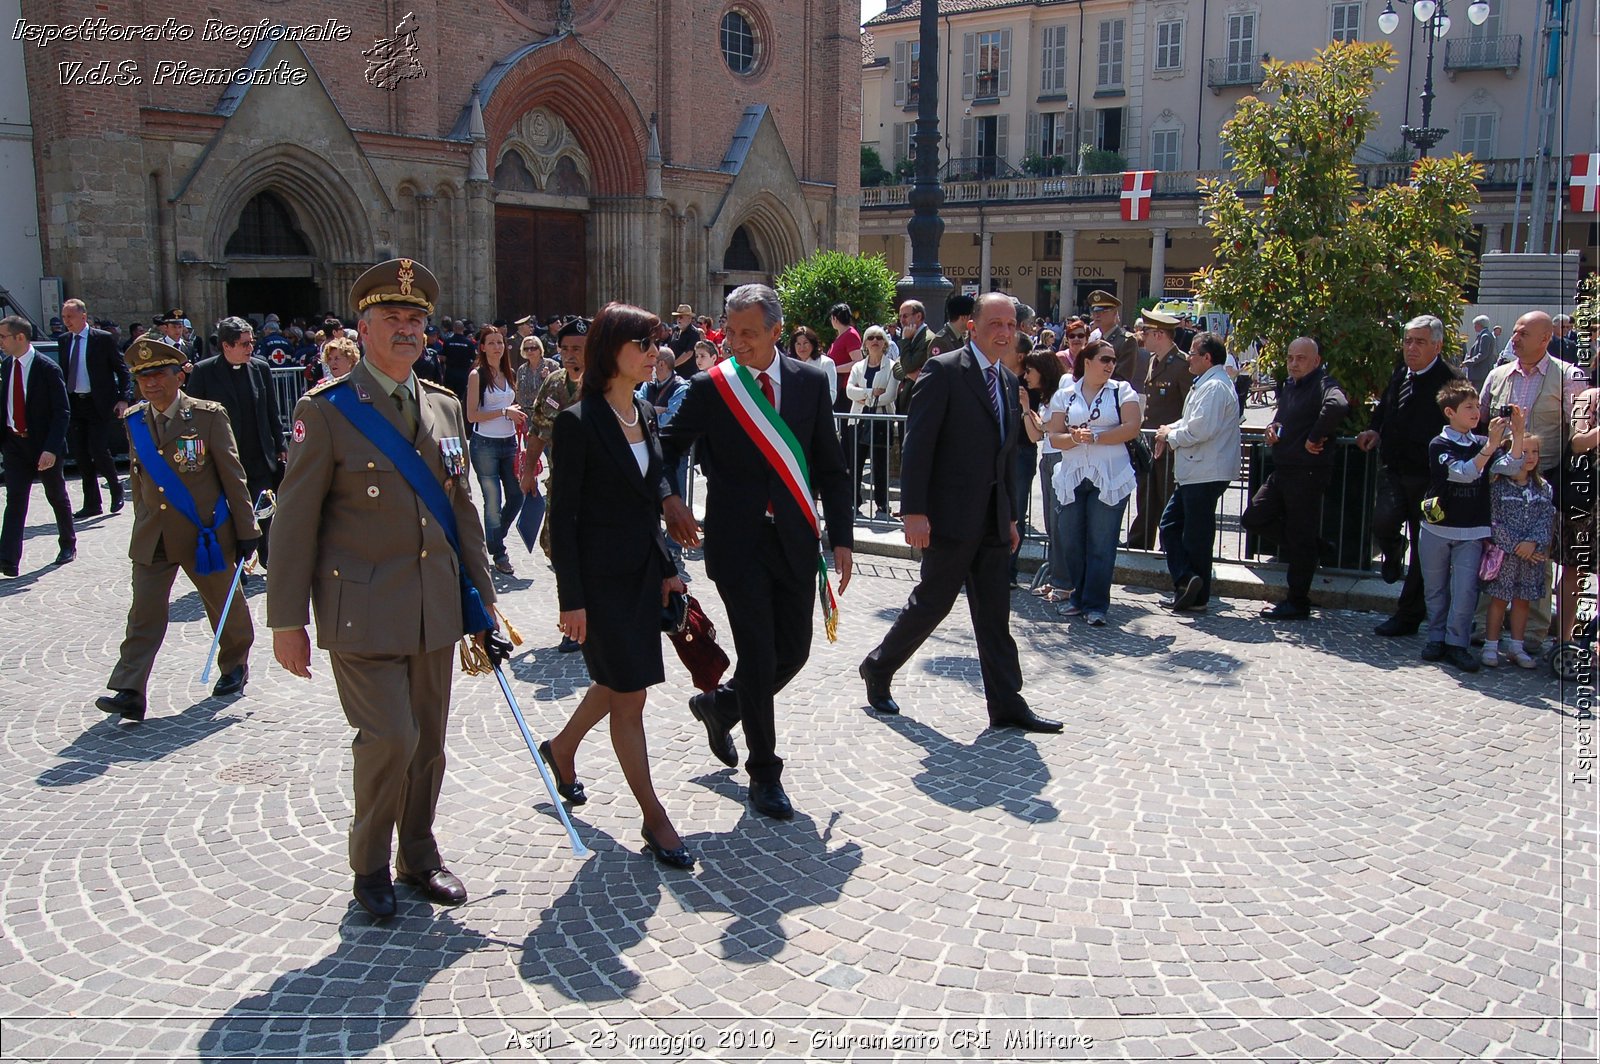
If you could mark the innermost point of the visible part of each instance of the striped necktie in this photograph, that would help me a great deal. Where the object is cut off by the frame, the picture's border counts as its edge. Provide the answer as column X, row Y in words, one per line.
column 994, row 397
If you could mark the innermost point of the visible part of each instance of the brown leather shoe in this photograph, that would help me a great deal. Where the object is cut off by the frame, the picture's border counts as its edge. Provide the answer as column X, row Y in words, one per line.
column 437, row 885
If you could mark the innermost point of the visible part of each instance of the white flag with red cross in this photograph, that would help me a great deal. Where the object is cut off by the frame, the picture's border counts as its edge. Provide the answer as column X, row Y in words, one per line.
column 1137, row 188
column 1585, row 186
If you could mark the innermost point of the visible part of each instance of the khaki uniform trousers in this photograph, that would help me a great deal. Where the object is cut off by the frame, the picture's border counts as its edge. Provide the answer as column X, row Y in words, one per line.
column 399, row 705
column 147, row 619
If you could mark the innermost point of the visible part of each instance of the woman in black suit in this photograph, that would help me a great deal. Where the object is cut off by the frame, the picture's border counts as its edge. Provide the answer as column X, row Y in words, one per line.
column 613, row 572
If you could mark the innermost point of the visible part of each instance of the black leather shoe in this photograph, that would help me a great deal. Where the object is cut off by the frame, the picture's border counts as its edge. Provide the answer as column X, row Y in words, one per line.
column 1395, row 626
column 231, row 683
column 67, row 556
column 1286, row 611
column 569, row 645
column 573, row 792
column 375, row 893
column 678, row 858
column 87, row 511
column 1394, row 567
column 8, row 570
column 1189, row 595
column 1461, row 658
column 1433, row 650
column 717, row 737
column 117, row 504
column 878, row 696
column 769, row 800
column 1027, row 720
column 439, row 885
column 127, row 704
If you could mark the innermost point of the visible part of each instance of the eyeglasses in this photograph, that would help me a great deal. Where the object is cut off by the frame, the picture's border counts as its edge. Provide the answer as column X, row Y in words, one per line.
column 1110, row 360
column 645, row 344
column 1077, row 336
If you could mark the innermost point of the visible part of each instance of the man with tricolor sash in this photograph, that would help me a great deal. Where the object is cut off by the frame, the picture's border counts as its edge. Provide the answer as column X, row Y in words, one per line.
column 768, row 448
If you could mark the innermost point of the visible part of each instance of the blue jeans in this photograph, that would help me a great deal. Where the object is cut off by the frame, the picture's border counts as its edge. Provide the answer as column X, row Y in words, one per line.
column 1188, row 531
column 493, row 460
column 1087, row 530
column 1449, row 585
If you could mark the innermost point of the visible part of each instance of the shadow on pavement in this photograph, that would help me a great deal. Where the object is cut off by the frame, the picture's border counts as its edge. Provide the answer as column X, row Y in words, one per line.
column 552, row 674
column 108, row 741
column 1001, row 769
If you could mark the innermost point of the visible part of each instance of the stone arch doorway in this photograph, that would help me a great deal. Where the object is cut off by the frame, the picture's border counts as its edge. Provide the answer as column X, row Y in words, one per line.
column 271, row 264
column 542, row 182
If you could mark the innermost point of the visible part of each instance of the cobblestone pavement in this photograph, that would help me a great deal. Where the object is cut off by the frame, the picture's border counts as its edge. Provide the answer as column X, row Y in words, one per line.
column 1251, row 842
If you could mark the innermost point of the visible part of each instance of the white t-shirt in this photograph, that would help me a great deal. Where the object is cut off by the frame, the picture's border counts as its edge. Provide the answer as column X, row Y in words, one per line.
column 1105, row 465
column 494, row 401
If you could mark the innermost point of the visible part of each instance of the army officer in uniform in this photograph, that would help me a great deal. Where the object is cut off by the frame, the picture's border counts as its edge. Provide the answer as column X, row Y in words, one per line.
column 354, row 538
column 177, row 523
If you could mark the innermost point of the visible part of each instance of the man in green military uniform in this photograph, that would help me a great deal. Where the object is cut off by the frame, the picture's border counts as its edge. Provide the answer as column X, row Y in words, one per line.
column 191, row 512
column 957, row 323
column 1105, row 310
column 356, row 538
column 1166, row 385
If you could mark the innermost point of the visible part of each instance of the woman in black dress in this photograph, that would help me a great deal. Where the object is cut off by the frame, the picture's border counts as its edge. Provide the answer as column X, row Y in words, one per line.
column 613, row 572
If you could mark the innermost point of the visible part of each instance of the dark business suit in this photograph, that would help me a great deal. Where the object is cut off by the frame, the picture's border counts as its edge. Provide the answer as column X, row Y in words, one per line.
column 263, row 469
column 606, row 543
column 94, row 416
column 959, row 470
column 47, row 417
column 764, row 565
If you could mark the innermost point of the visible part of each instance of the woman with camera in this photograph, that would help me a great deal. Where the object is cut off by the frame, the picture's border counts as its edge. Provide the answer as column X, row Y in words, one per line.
column 613, row 571
column 871, row 389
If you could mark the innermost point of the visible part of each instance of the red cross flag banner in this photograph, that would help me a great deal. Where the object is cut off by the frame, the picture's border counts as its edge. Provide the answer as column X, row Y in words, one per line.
column 1585, row 186
column 1137, row 187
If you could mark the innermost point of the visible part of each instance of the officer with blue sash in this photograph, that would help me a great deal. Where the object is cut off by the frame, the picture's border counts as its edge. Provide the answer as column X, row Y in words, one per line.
column 191, row 511
column 376, row 529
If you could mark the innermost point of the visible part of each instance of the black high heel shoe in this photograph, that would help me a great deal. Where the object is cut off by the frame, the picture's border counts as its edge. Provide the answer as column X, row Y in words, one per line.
column 679, row 858
column 572, row 792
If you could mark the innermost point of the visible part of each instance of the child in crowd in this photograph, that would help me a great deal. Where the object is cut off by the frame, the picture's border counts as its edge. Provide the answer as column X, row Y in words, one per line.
column 1523, row 518
column 1456, row 520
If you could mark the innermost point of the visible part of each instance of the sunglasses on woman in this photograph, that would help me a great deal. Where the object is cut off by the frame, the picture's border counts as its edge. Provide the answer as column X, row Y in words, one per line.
column 646, row 344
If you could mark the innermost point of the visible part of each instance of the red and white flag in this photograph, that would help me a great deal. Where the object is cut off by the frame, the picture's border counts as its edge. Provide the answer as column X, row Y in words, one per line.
column 1585, row 186
column 1137, row 187
column 1269, row 184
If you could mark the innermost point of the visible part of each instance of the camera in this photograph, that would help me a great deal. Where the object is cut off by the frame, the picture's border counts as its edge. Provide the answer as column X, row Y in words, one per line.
column 1504, row 411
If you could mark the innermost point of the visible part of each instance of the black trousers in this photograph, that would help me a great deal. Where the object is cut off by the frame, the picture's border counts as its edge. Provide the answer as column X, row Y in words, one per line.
column 948, row 565
column 769, row 612
column 1288, row 507
column 1189, row 532
column 89, row 440
column 1397, row 515
column 22, row 470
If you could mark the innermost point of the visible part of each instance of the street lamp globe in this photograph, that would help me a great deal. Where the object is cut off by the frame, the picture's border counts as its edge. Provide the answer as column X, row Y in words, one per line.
column 1478, row 12
column 1442, row 26
column 1388, row 22
column 1424, row 9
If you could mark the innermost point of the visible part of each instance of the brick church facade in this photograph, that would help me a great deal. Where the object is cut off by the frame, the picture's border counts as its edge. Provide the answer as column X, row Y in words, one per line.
column 541, row 157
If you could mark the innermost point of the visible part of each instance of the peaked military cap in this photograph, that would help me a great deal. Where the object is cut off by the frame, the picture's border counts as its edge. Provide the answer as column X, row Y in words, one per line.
column 1099, row 298
column 145, row 354
column 398, row 282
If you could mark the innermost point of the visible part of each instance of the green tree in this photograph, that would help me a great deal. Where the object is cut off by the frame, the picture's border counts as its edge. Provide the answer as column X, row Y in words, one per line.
column 811, row 287
column 872, row 169
column 1323, row 256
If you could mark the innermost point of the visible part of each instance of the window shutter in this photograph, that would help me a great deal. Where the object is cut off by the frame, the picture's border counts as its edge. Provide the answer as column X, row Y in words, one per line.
column 1059, row 146
column 969, row 147
column 1001, row 130
column 1005, row 62
column 899, row 147
column 1035, row 141
column 969, row 50
column 899, row 73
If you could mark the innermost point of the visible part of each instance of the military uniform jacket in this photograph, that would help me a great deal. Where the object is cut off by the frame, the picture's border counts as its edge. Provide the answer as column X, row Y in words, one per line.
column 1127, row 349
column 1166, row 384
column 945, row 342
column 352, row 536
column 199, row 447
column 557, row 393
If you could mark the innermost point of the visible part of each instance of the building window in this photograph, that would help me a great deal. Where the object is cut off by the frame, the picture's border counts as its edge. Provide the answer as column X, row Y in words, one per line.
column 907, row 73
column 1477, row 135
column 1241, row 47
column 1165, row 154
column 1108, row 129
column 1055, row 129
column 985, row 65
column 988, row 65
column 738, row 42
column 1053, row 61
column 1052, row 243
column 908, row 150
column 1346, row 22
column 1169, row 45
column 1112, row 33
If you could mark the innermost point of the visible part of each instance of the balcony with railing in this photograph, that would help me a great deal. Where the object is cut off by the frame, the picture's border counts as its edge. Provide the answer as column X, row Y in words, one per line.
column 1234, row 73
column 1484, row 53
column 966, row 183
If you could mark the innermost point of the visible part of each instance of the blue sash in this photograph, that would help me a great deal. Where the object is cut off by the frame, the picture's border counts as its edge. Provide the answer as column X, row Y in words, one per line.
column 207, row 551
column 397, row 449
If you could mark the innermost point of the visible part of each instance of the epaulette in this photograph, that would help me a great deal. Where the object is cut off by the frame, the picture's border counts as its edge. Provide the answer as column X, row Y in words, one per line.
column 210, row 406
column 321, row 386
column 440, row 388
column 135, row 408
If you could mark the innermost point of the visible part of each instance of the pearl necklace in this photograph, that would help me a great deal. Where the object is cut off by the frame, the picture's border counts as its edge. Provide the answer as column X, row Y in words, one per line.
column 626, row 424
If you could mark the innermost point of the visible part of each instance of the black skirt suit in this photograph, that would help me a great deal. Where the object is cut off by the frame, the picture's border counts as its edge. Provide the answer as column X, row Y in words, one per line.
column 606, row 543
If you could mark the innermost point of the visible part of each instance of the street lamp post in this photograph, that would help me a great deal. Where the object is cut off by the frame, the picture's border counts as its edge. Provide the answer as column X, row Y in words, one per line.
column 925, row 280
column 1436, row 23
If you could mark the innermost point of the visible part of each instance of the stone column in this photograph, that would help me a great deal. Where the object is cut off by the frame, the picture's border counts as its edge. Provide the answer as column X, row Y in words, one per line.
column 1158, row 262
column 985, row 261
column 1069, row 264
column 1493, row 237
column 424, row 233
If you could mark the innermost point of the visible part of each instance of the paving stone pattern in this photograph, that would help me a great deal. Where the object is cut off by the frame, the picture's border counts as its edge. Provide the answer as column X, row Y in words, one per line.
column 1256, row 842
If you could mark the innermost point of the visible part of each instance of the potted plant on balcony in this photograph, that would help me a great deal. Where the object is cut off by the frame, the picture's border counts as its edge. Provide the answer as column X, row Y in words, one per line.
column 1100, row 161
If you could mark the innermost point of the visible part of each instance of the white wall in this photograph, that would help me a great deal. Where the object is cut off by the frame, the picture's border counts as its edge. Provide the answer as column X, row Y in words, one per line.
column 23, row 259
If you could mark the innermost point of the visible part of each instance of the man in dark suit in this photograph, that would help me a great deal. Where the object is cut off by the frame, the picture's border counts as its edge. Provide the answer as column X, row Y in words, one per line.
column 761, row 547
column 1406, row 418
column 242, row 383
column 957, row 479
column 98, row 391
column 34, row 438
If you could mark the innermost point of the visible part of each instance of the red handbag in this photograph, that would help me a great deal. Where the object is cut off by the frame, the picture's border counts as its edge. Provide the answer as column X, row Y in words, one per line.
column 694, row 637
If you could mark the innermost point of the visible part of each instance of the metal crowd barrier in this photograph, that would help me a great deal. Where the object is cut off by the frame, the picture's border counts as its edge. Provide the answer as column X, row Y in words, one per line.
column 290, row 383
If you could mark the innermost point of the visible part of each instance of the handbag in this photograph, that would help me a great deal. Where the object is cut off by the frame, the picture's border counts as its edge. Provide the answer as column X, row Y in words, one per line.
column 694, row 637
column 1138, row 451
column 1494, row 557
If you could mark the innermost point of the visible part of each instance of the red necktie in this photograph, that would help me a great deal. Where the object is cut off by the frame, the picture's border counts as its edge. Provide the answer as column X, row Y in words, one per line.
column 766, row 388
column 19, row 405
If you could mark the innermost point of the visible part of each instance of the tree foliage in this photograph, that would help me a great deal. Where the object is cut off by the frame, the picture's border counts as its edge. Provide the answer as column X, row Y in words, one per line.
column 811, row 287
column 872, row 168
column 1324, row 256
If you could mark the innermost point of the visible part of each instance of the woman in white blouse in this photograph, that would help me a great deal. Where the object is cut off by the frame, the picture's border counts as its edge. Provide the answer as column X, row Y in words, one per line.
column 871, row 389
column 1091, row 419
column 495, row 416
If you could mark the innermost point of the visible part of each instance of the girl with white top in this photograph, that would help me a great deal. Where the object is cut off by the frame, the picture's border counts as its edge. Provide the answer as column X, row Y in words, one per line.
column 1090, row 422
column 495, row 417
column 872, row 389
